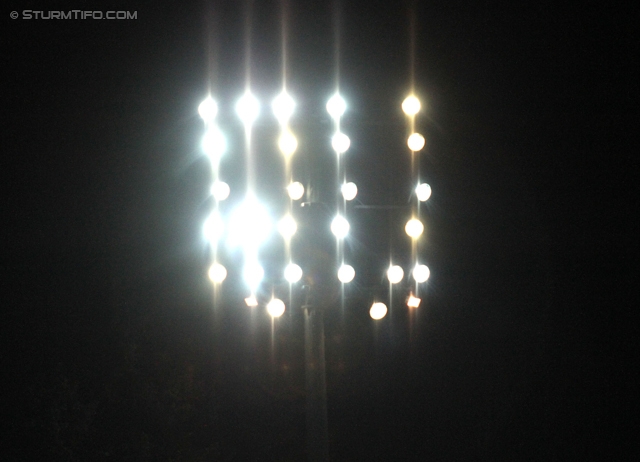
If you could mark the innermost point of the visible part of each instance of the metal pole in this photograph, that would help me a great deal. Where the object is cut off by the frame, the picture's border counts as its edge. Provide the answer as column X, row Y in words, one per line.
column 316, row 386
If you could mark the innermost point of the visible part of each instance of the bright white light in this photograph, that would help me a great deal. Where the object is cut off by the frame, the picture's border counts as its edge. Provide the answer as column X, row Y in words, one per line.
column 248, row 108
column 213, row 143
column 283, row 107
column 411, row 105
column 423, row 191
column 292, row 273
column 378, row 310
column 213, row 227
column 217, row 273
column 340, row 227
column 413, row 301
column 287, row 143
column 346, row 273
column 287, row 226
column 275, row 307
column 414, row 228
column 208, row 109
column 415, row 142
column 395, row 274
column 340, row 143
column 295, row 190
column 253, row 274
column 349, row 191
column 220, row 190
column 421, row 273
column 249, row 225
column 251, row 301
column 336, row 106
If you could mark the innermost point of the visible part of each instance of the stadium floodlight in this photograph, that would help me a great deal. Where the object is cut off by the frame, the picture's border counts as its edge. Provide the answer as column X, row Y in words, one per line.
column 283, row 106
column 275, row 307
column 395, row 274
column 414, row 228
column 423, row 191
column 292, row 273
column 411, row 105
column 336, row 106
column 349, row 191
column 208, row 109
column 248, row 108
column 346, row 273
column 378, row 310
column 340, row 143
column 295, row 190
column 416, row 142
column 217, row 273
column 421, row 273
column 340, row 227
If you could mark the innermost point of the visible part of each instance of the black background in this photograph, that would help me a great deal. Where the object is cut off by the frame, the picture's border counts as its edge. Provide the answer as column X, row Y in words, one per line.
column 523, row 345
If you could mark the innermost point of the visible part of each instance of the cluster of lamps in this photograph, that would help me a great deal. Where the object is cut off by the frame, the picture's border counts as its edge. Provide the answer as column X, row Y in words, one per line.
column 250, row 224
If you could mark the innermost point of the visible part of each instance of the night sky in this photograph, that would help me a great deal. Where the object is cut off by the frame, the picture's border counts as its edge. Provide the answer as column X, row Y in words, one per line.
column 112, row 346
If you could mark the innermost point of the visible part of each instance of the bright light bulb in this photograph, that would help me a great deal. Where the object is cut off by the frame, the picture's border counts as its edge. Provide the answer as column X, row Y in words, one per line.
column 340, row 143
column 295, row 190
column 292, row 273
column 249, row 225
column 251, row 301
column 220, row 190
column 248, row 108
column 411, row 105
column 346, row 273
column 378, row 310
column 414, row 228
column 208, row 109
column 340, row 227
column 253, row 274
column 213, row 143
column 349, row 191
column 413, row 301
column 217, row 273
column 336, row 106
column 287, row 143
column 421, row 273
column 283, row 107
column 213, row 227
column 275, row 307
column 287, row 226
column 415, row 142
column 423, row 191
column 395, row 274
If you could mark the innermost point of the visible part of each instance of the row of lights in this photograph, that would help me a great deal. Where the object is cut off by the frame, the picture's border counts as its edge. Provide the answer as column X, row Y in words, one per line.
column 246, row 221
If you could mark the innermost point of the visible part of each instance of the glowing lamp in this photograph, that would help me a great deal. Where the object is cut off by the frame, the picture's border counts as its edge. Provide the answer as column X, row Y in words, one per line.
column 395, row 274
column 414, row 228
column 248, row 108
column 292, row 273
column 336, row 106
column 220, row 190
column 421, row 273
column 411, row 105
column 340, row 143
column 208, row 109
column 415, row 142
column 349, row 191
column 295, row 190
column 346, row 273
column 275, row 307
column 423, row 191
column 287, row 143
column 217, row 273
column 283, row 107
column 340, row 227
column 378, row 310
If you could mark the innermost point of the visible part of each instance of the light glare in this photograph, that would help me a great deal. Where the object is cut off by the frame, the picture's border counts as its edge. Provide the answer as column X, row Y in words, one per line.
column 340, row 227
column 292, row 273
column 340, row 143
column 213, row 143
column 287, row 143
column 349, row 191
column 346, row 273
column 283, row 107
column 395, row 274
column 411, row 105
column 378, row 310
column 251, row 301
column 336, row 106
column 423, row 191
column 220, row 190
column 275, row 307
column 413, row 301
column 250, row 225
column 287, row 226
column 213, row 227
column 208, row 109
column 248, row 108
column 416, row 142
column 253, row 274
column 295, row 190
column 217, row 273
column 414, row 228
column 421, row 273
